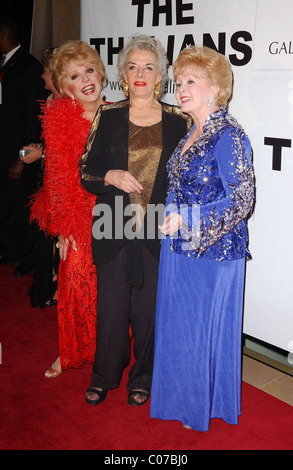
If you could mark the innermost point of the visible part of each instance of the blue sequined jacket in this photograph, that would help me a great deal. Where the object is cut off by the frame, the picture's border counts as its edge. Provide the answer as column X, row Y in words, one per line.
column 212, row 186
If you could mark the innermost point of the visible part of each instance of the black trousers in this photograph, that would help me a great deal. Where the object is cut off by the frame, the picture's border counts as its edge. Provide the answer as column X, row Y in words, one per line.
column 121, row 304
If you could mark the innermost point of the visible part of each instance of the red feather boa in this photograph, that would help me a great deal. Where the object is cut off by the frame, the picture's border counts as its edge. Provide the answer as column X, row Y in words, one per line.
column 62, row 206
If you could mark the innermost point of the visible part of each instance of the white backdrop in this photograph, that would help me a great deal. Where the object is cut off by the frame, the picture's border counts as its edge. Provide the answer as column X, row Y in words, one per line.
column 255, row 36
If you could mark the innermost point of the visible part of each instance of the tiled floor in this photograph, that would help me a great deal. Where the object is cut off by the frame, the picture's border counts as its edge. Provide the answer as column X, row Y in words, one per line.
column 268, row 379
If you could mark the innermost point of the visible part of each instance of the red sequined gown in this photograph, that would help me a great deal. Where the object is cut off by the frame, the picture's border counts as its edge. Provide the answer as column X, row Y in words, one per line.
column 63, row 207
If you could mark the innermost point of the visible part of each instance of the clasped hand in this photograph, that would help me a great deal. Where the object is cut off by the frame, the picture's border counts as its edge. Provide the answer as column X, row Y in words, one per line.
column 35, row 153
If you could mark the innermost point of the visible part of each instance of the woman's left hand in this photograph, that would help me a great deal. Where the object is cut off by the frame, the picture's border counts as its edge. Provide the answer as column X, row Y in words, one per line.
column 171, row 224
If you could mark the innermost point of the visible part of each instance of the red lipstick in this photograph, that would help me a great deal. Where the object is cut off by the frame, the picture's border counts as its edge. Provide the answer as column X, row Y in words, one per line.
column 140, row 83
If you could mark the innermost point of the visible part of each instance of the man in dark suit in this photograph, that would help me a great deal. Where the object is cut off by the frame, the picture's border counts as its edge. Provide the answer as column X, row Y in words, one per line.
column 21, row 90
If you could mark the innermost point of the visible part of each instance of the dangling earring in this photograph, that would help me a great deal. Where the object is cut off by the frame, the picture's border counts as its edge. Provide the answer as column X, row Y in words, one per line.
column 73, row 102
column 157, row 90
column 211, row 99
column 125, row 87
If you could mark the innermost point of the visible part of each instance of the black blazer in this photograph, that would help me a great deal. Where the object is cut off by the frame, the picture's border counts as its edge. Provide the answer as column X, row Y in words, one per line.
column 22, row 89
column 107, row 149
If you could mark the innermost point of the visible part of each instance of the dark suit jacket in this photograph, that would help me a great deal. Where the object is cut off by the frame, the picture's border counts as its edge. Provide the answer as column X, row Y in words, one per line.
column 107, row 149
column 22, row 88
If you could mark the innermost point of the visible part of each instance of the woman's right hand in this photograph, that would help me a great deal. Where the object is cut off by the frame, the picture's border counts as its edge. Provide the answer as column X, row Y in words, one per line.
column 123, row 180
column 63, row 247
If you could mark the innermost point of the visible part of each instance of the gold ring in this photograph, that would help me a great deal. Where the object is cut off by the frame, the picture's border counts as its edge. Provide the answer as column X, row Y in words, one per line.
column 58, row 245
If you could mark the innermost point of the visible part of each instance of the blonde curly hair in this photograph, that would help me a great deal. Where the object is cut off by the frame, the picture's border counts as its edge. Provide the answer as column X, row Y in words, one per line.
column 76, row 51
column 212, row 65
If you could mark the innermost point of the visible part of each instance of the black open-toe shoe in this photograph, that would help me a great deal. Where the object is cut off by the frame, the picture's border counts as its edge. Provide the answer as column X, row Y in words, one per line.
column 101, row 396
column 133, row 402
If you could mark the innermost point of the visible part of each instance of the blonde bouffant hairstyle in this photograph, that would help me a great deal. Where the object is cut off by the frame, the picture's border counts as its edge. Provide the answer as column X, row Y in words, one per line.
column 79, row 52
column 209, row 64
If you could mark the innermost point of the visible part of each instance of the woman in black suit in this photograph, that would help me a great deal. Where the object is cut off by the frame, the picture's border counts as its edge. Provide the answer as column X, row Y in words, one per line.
column 125, row 165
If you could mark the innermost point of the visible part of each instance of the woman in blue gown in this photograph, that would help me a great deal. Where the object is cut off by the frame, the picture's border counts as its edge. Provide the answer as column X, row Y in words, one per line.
column 197, row 363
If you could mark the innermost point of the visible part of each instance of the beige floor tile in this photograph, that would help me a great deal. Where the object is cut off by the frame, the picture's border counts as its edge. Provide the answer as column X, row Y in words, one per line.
column 258, row 374
column 282, row 388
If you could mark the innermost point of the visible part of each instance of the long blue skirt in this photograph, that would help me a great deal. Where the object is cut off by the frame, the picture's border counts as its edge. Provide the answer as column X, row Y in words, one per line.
column 197, row 362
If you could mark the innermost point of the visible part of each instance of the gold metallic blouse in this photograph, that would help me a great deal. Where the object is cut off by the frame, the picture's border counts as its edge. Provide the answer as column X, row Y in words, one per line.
column 145, row 148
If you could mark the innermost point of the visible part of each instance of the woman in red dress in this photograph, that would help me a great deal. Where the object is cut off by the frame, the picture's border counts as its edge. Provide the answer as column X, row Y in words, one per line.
column 62, row 207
